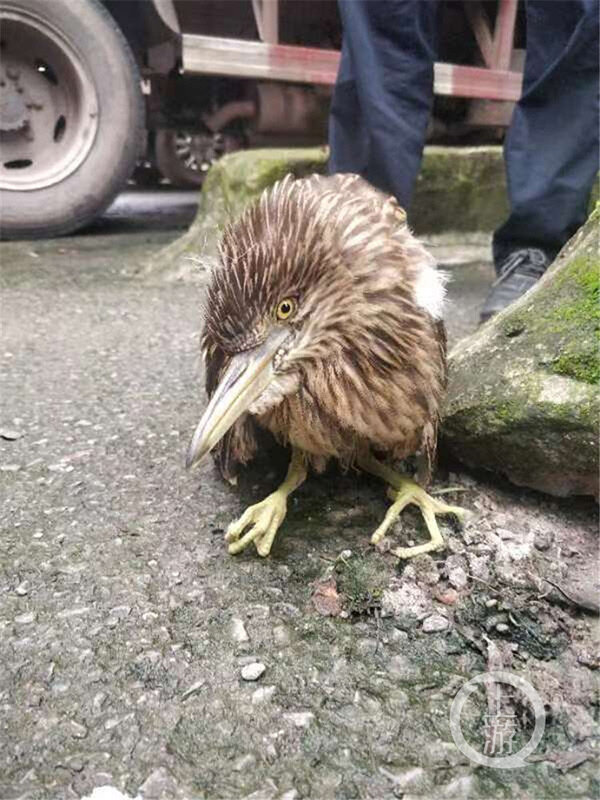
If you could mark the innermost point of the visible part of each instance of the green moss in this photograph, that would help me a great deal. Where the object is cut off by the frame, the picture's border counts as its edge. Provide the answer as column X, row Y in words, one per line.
column 581, row 366
column 583, row 278
column 514, row 325
column 460, row 189
column 510, row 411
column 361, row 581
column 561, row 325
column 578, row 317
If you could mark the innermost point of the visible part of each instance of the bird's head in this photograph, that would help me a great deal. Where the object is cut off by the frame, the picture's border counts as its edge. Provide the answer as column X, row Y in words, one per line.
column 297, row 283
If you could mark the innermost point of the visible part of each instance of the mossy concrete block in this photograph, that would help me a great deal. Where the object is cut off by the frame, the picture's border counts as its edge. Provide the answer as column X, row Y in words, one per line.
column 523, row 394
column 231, row 183
column 459, row 189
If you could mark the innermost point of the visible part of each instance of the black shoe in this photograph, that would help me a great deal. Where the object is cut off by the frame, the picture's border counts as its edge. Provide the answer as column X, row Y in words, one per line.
column 518, row 273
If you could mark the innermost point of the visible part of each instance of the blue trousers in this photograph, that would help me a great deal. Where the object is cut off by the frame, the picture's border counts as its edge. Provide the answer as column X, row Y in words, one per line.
column 384, row 92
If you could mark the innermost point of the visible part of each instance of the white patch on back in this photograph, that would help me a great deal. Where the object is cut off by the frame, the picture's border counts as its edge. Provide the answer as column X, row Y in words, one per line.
column 430, row 289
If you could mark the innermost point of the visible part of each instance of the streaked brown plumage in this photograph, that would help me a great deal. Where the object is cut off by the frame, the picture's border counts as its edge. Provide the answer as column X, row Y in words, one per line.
column 360, row 364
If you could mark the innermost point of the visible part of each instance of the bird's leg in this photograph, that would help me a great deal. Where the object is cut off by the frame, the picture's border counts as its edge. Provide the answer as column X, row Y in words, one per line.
column 265, row 517
column 404, row 491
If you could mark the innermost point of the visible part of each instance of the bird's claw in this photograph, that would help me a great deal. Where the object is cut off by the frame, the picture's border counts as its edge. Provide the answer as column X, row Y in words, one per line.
column 410, row 493
column 263, row 519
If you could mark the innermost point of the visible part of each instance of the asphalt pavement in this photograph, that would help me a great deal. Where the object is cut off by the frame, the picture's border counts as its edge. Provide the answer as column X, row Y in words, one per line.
column 127, row 630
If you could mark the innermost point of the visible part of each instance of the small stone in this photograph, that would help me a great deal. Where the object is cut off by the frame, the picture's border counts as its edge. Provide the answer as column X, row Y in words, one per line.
column 301, row 719
column 449, row 597
column 456, row 571
column 158, row 785
column 588, row 659
column 76, row 764
column 281, row 635
column 238, row 631
column 252, row 672
column 10, row 434
column 102, row 778
column 120, row 612
column 435, row 623
column 274, row 591
column 258, row 611
column 491, row 603
column 22, row 589
column 98, row 700
column 25, row 619
column 408, row 601
column 245, row 762
column 580, row 724
column 10, row 467
column 195, row 687
column 455, row 545
column 73, row 612
column 411, row 779
column 502, row 627
column 542, row 540
column 247, row 659
column 78, row 731
column 326, row 599
column 460, row 787
column 287, row 610
column 262, row 695
column 505, row 534
column 398, row 636
column 402, row 668
column 426, row 570
column 479, row 566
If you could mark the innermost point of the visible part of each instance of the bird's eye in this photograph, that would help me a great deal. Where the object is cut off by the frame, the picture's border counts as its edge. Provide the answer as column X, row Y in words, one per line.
column 286, row 308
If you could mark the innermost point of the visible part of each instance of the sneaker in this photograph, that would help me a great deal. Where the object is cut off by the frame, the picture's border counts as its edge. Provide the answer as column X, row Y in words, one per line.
column 518, row 273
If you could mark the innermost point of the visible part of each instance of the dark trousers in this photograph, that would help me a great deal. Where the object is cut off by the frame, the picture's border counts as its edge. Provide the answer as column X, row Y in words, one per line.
column 384, row 92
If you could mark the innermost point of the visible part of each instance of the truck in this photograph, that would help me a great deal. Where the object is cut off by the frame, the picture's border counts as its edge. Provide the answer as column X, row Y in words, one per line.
column 91, row 90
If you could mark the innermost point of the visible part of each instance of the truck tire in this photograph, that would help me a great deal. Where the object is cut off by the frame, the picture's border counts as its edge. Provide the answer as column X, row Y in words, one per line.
column 71, row 115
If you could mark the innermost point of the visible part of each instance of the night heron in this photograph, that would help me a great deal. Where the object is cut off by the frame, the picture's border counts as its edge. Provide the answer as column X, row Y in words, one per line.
column 323, row 324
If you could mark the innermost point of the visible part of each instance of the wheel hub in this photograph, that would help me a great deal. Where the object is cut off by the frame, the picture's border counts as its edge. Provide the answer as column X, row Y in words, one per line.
column 197, row 151
column 48, row 104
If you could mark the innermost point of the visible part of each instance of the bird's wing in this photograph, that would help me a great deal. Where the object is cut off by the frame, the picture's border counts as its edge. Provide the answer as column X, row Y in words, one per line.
column 238, row 445
column 427, row 454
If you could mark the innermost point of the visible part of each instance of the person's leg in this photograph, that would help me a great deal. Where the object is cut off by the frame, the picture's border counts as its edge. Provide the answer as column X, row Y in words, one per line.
column 551, row 148
column 384, row 92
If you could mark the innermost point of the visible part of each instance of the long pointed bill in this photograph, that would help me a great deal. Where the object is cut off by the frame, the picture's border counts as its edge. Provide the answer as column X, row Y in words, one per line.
column 245, row 379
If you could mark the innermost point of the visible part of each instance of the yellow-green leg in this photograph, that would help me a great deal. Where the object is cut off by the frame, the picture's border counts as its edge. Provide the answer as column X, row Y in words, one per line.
column 404, row 491
column 265, row 517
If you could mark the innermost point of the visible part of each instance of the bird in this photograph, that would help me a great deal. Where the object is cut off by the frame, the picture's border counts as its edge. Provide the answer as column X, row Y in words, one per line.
column 323, row 324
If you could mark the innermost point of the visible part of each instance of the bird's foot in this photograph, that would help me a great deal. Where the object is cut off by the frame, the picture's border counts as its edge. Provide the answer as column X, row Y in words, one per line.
column 406, row 491
column 264, row 520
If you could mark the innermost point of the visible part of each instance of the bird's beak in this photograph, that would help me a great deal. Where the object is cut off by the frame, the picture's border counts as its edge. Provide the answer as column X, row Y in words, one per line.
column 246, row 377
